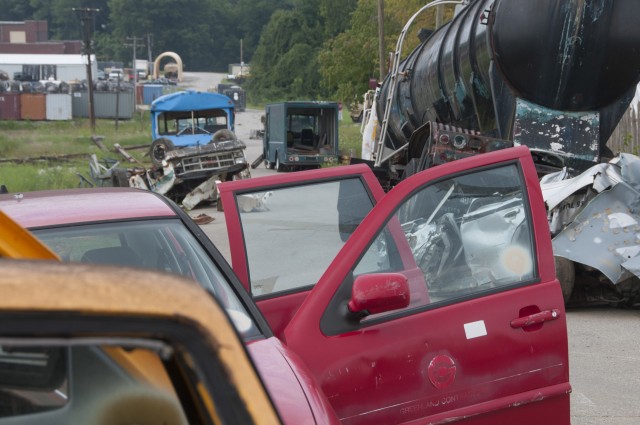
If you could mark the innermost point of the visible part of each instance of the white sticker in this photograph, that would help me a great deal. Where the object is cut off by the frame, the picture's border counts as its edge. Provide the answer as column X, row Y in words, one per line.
column 475, row 329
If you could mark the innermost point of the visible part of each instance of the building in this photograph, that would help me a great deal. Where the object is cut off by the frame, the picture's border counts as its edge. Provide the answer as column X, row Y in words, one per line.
column 31, row 37
column 34, row 67
column 27, row 54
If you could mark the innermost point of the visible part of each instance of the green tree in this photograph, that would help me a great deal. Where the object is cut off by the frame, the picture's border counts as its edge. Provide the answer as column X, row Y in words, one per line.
column 15, row 10
column 247, row 19
column 284, row 66
column 351, row 58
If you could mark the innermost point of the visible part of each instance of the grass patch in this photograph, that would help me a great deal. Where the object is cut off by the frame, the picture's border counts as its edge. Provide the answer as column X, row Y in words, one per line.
column 350, row 137
column 30, row 140
column 43, row 175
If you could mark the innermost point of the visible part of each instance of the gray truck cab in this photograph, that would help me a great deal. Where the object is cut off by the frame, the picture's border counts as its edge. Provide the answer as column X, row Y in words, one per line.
column 300, row 135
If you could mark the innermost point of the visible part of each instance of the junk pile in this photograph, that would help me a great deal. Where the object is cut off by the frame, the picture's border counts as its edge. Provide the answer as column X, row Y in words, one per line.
column 594, row 220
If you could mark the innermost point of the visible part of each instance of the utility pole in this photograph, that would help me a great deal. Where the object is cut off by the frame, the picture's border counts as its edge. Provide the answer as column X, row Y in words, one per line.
column 86, row 19
column 149, row 48
column 241, row 60
column 135, row 70
column 381, row 54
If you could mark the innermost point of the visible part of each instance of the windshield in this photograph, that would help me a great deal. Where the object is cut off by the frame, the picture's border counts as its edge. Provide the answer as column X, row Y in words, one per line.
column 164, row 245
column 192, row 122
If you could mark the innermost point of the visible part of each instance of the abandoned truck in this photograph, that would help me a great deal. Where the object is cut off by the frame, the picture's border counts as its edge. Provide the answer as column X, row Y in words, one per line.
column 555, row 76
column 300, row 135
column 194, row 145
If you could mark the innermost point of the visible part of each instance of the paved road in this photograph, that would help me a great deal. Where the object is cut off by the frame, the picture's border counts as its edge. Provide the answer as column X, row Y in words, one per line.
column 604, row 343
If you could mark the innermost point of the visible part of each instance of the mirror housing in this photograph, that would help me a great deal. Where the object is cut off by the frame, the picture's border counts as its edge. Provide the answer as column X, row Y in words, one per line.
column 378, row 293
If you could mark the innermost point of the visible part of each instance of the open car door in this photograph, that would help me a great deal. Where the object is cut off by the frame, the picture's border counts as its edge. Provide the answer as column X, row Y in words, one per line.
column 443, row 305
column 284, row 230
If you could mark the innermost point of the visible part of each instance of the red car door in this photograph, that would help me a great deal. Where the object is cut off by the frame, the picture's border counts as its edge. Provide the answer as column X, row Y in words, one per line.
column 443, row 305
column 284, row 230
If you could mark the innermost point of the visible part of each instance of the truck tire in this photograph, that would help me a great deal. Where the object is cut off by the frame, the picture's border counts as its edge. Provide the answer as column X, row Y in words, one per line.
column 565, row 271
column 222, row 135
column 119, row 178
column 158, row 150
column 279, row 167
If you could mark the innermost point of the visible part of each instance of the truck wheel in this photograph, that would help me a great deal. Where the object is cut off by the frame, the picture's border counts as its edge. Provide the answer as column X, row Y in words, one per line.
column 120, row 178
column 158, row 150
column 279, row 167
column 566, row 273
column 268, row 164
column 222, row 135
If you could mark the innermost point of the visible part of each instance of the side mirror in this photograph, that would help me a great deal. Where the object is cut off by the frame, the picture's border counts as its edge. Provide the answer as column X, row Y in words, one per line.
column 378, row 293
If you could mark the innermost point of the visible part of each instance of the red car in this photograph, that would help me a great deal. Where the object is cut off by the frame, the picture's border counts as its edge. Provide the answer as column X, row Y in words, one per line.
column 437, row 305
column 139, row 228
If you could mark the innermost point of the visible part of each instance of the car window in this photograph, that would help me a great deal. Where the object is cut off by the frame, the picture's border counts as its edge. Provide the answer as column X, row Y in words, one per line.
column 93, row 383
column 457, row 237
column 164, row 245
column 312, row 222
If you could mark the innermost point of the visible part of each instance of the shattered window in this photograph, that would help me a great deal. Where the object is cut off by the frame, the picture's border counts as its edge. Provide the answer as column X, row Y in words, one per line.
column 459, row 236
column 292, row 234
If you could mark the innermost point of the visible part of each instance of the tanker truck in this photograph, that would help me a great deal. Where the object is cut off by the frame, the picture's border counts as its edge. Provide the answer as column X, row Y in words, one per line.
column 553, row 75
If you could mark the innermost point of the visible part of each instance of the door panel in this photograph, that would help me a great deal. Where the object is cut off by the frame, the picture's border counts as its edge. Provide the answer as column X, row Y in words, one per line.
column 485, row 329
column 285, row 230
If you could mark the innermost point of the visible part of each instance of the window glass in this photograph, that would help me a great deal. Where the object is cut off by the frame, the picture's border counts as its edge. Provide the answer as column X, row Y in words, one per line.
column 164, row 245
column 292, row 234
column 32, row 380
column 192, row 122
column 94, row 383
column 457, row 237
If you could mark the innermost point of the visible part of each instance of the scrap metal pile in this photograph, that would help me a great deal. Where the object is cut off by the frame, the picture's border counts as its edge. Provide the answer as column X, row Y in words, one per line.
column 594, row 220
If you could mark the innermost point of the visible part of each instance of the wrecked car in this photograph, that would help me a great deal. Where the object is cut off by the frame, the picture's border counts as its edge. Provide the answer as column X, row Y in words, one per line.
column 402, row 322
column 594, row 223
column 404, row 307
column 166, row 356
column 194, row 145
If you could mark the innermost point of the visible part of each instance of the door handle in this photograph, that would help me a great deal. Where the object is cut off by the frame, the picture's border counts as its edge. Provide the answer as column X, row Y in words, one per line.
column 534, row 319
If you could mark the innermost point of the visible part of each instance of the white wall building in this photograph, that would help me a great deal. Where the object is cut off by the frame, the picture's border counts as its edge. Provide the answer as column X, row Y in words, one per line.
column 41, row 66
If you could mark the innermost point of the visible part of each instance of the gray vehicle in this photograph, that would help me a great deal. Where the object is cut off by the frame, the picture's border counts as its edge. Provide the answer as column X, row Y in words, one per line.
column 300, row 135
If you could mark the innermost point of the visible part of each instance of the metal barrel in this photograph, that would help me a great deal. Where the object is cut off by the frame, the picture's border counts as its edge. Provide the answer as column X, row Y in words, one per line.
column 567, row 55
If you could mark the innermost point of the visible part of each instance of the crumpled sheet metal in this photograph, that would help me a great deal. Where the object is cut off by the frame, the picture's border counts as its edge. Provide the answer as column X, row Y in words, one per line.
column 605, row 234
column 600, row 177
column 222, row 146
column 600, row 225
column 205, row 191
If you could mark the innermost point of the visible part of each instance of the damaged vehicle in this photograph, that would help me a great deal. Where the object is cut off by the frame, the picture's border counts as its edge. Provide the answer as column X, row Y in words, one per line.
column 402, row 307
column 402, row 322
column 300, row 135
column 594, row 220
column 487, row 80
column 194, row 145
